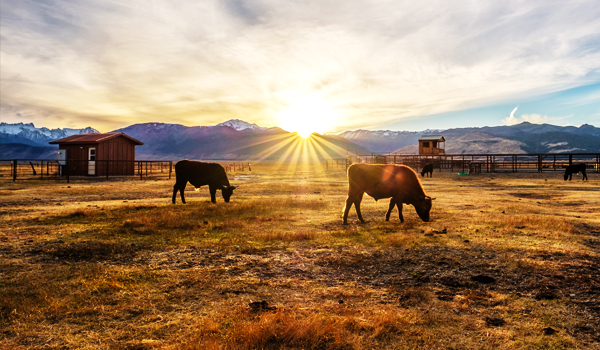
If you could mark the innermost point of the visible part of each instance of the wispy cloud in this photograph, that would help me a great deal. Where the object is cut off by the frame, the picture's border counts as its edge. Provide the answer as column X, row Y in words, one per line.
column 533, row 118
column 201, row 62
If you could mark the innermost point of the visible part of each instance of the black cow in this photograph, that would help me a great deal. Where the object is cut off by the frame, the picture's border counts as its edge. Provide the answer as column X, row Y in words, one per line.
column 575, row 169
column 427, row 169
column 201, row 174
column 384, row 181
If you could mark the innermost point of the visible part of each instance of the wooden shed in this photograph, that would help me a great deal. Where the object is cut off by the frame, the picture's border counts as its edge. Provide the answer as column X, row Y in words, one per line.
column 432, row 144
column 98, row 154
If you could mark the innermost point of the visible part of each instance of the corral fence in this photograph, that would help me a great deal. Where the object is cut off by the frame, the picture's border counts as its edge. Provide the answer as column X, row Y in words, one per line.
column 477, row 163
column 31, row 169
column 239, row 166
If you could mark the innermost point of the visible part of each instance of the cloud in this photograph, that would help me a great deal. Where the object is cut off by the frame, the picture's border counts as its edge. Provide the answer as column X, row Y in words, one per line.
column 511, row 120
column 200, row 62
column 533, row 118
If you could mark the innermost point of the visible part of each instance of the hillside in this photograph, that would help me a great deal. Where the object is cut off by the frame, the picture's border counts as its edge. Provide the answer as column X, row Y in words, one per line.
column 174, row 141
column 237, row 139
column 520, row 138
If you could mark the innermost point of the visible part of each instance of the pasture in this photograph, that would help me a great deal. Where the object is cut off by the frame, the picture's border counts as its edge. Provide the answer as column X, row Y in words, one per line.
column 508, row 261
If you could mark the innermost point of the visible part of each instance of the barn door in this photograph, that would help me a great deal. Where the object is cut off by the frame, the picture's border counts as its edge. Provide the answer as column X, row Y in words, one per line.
column 91, row 161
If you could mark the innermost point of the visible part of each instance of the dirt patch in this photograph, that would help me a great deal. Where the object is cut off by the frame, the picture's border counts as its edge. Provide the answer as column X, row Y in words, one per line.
column 530, row 195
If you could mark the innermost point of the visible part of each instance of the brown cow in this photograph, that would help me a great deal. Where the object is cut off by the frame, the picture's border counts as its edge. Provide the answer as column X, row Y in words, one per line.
column 384, row 181
column 201, row 174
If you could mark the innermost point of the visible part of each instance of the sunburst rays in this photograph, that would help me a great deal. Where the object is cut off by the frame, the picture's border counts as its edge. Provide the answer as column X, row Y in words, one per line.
column 296, row 150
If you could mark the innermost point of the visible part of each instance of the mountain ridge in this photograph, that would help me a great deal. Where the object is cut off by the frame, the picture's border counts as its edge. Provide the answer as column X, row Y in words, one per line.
column 237, row 139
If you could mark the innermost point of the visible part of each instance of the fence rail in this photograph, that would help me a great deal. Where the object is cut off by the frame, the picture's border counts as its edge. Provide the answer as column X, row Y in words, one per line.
column 489, row 163
column 25, row 169
column 30, row 169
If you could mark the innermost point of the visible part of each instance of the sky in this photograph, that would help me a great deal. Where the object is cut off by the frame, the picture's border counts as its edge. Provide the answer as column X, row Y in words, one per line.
column 337, row 64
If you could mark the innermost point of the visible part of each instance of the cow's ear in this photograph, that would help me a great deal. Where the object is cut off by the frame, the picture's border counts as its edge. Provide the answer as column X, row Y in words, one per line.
column 234, row 187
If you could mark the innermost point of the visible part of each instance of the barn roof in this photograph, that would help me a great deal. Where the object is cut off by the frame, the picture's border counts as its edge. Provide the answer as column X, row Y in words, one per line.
column 94, row 138
column 432, row 138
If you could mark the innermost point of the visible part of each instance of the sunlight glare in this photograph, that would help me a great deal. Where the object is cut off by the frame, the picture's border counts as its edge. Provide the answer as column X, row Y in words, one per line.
column 307, row 115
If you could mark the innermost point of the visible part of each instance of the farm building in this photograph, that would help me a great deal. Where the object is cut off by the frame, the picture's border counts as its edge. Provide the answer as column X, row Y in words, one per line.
column 432, row 144
column 98, row 154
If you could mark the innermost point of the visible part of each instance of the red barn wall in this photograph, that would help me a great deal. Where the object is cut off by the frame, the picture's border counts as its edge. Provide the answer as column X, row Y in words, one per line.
column 118, row 154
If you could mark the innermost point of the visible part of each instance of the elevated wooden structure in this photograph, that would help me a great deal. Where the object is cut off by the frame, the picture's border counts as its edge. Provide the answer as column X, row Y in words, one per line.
column 432, row 144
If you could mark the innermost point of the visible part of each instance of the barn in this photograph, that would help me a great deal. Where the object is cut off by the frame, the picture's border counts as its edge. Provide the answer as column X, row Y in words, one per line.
column 109, row 154
column 432, row 144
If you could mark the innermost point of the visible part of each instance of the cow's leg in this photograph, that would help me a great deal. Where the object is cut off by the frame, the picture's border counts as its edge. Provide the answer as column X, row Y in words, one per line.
column 357, row 206
column 399, row 205
column 584, row 175
column 175, row 189
column 181, row 191
column 349, row 202
column 180, row 188
column 392, row 205
column 213, row 193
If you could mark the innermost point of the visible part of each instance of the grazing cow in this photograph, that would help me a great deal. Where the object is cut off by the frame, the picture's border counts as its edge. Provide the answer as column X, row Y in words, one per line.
column 427, row 169
column 575, row 169
column 384, row 181
column 201, row 174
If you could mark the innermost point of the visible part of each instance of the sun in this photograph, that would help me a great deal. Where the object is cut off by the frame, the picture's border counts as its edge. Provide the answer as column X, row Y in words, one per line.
column 307, row 115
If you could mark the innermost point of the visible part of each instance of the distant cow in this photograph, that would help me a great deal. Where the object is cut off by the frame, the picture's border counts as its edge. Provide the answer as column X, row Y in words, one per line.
column 575, row 169
column 201, row 174
column 427, row 169
column 384, row 181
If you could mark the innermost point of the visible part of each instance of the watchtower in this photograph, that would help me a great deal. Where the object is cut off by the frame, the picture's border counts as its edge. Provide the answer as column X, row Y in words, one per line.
column 432, row 144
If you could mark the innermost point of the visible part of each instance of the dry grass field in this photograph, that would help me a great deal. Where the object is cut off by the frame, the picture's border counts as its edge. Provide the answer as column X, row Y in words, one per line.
column 508, row 261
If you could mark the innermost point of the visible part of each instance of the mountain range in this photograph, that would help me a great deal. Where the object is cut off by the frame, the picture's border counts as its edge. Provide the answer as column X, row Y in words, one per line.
column 238, row 140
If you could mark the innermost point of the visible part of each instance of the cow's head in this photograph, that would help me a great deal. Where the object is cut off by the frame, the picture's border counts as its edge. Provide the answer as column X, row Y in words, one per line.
column 227, row 192
column 566, row 176
column 423, row 206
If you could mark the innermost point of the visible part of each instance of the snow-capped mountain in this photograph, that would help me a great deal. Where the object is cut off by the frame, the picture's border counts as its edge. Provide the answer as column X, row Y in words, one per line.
column 240, row 125
column 18, row 132
column 237, row 139
column 382, row 141
column 521, row 138
column 223, row 141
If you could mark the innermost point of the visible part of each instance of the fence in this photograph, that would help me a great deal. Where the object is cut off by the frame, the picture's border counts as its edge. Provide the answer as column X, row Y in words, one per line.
column 29, row 169
column 489, row 163
column 25, row 169
column 236, row 167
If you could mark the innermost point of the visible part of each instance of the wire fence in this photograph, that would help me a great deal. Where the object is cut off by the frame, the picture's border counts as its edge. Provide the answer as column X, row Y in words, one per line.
column 40, row 169
column 477, row 163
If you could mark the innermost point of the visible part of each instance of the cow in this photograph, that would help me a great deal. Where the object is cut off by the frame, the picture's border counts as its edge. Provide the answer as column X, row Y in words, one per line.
column 384, row 181
column 427, row 169
column 575, row 169
column 201, row 174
